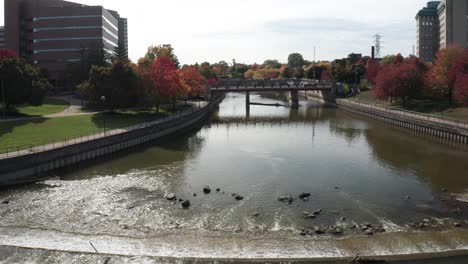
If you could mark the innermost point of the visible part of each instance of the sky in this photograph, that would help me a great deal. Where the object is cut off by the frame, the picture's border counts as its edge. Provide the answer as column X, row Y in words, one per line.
column 252, row 31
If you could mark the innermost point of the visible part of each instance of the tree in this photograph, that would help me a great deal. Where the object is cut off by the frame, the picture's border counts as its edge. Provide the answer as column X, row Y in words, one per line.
column 23, row 82
column 221, row 69
column 298, row 73
column 400, row 81
column 372, row 69
column 295, row 60
column 120, row 54
column 118, row 83
column 165, row 78
column 272, row 64
column 461, row 89
column 7, row 54
column 249, row 74
column 193, row 81
column 442, row 76
column 206, row 70
column 162, row 50
column 286, row 72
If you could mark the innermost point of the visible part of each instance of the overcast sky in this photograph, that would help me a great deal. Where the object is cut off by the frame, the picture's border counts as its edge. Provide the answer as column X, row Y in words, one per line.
column 255, row 30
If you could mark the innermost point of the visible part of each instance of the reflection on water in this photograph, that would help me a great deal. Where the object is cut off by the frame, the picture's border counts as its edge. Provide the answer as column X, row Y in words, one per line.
column 353, row 167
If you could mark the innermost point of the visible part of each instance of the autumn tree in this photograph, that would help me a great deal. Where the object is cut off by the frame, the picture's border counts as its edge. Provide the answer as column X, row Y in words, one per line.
column 442, row 76
column 272, row 64
column 372, row 69
column 162, row 50
column 194, row 83
column 7, row 54
column 400, row 81
column 166, row 80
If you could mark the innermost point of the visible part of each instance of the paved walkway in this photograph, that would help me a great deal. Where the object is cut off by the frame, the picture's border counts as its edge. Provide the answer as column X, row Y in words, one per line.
column 461, row 126
column 15, row 152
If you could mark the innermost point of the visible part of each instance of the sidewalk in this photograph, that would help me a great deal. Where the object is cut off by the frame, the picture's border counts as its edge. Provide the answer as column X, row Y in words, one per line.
column 93, row 136
column 418, row 117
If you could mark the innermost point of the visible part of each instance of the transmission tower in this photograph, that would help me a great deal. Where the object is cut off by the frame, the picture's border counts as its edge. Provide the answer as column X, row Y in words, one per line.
column 377, row 44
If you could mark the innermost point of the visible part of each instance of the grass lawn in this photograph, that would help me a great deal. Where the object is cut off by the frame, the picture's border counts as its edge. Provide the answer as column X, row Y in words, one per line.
column 47, row 130
column 442, row 108
column 50, row 106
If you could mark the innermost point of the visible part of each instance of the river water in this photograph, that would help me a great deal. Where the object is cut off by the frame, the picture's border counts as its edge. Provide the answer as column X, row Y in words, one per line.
column 358, row 172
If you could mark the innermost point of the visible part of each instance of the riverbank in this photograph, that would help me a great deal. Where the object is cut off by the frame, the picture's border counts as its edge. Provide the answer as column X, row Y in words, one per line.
column 28, row 165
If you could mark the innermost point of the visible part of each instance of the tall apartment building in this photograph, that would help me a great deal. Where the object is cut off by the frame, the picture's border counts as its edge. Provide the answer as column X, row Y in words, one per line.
column 51, row 33
column 427, row 36
column 2, row 37
column 453, row 17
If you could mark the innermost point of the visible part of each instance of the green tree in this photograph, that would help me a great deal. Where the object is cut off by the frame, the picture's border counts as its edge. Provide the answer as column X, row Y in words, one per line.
column 118, row 83
column 272, row 64
column 286, row 72
column 295, row 60
column 120, row 54
column 23, row 83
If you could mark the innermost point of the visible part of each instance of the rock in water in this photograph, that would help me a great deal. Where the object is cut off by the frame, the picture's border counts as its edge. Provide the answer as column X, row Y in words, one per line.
column 170, row 196
column 239, row 198
column 304, row 195
column 286, row 199
column 185, row 204
column 206, row 190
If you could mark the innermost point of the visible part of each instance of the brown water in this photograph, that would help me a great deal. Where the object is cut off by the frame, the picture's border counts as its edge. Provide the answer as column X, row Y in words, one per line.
column 358, row 172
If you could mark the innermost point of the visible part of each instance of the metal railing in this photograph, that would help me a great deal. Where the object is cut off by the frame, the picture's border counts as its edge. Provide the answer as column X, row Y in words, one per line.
column 21, row 150
column 435, row 119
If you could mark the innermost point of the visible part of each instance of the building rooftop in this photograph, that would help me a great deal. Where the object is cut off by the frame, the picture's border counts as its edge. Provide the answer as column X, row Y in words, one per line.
column 429, row 10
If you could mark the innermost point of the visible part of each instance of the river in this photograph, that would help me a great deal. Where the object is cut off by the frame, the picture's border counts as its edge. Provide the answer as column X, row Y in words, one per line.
column 374, row 189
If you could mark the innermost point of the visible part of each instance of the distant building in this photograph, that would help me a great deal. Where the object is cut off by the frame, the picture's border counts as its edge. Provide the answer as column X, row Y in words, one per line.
column 51, row 33
column 453, row 17
column 427, row 33
column 2, row 37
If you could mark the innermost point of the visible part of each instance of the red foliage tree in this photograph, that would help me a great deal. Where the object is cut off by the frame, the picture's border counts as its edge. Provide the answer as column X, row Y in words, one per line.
column 194, row 83
column 166, row 81
column 372, row 69
column 7, row 54
column 460, row 91
column 442, row 76
column 400, row 81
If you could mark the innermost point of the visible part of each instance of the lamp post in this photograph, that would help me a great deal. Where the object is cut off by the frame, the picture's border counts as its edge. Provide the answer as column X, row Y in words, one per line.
column 103, row 99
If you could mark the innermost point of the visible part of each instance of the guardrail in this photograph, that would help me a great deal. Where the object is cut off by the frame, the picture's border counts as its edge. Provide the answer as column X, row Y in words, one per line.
column 440, row 120
column 15, row 151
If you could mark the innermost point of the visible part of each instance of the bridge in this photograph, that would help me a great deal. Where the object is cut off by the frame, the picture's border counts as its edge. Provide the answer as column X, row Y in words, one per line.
column 324, row 90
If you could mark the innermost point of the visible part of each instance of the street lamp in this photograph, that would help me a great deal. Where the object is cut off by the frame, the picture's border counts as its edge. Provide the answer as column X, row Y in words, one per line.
column 103, row 99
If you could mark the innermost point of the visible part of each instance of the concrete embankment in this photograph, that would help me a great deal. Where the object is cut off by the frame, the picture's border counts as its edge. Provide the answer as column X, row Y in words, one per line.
column 33, row 164
column 447, row 130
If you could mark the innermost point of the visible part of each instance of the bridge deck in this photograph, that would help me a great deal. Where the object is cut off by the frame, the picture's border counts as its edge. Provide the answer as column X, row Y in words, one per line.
column 268, row 89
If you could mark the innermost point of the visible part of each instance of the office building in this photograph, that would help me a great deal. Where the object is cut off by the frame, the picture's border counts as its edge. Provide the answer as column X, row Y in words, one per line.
column 427, row 33
column 453, row 17
column 52, row 33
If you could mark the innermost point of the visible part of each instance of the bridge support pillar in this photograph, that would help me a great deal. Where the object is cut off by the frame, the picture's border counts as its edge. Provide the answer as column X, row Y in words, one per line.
column 247, row 98
column 294, row 99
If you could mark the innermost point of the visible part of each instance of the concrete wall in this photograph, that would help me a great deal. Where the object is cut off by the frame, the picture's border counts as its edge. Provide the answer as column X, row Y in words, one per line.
column 446, row 132
column 29, row 168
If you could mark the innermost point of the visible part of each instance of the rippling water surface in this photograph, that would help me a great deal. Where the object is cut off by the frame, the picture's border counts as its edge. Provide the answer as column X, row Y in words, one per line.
column 357, row 171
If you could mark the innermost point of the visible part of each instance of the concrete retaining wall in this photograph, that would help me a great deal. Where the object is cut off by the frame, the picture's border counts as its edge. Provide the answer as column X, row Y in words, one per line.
column 446, row 132
column 31, row 167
